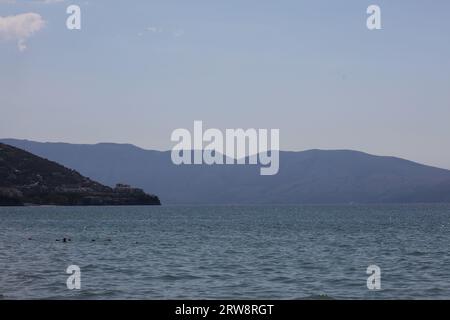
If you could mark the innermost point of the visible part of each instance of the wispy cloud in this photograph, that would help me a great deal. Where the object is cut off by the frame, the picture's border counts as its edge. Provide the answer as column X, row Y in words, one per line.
column 31, row 1
column 49, row 1
column 155, row 29
column 20, row 27
column 159, row 30
column 178, row 33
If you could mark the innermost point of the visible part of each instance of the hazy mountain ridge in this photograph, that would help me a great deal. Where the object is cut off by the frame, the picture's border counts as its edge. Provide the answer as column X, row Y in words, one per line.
column 307, row 177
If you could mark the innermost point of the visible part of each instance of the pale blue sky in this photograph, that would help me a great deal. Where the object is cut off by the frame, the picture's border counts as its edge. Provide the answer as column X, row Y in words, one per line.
column 140, row 69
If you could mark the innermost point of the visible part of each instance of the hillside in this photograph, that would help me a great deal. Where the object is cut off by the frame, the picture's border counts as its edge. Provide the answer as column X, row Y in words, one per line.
column 307, row 177
column 29, row 179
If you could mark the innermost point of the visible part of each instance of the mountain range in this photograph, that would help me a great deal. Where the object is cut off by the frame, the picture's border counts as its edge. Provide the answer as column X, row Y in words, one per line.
column 306, row 177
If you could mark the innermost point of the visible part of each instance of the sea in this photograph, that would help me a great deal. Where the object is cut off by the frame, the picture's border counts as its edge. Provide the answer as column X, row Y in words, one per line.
column 226, row 252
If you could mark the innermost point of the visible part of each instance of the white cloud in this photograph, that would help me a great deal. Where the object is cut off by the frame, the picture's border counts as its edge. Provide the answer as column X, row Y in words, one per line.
column 31, row 1
column 49, row 1
column 178, row 33
column 20, row 27
column 155, row 29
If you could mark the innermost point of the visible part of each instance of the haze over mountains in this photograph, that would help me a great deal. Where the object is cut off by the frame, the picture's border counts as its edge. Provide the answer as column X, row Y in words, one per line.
column 307, row 177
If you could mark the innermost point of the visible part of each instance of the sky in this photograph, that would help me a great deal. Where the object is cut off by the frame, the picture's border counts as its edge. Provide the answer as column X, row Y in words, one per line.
column 137, row 70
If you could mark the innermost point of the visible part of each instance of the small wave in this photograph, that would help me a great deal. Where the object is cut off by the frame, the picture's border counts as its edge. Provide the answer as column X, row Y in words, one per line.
column 169, row 277
column 317, row 297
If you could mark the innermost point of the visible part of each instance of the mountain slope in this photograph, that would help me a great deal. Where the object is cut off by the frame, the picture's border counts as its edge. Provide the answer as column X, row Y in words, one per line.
column 307, row 177
column 26, row 178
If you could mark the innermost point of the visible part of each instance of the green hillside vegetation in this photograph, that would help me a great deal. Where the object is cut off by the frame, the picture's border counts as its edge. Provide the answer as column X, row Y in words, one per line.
column 29, row 179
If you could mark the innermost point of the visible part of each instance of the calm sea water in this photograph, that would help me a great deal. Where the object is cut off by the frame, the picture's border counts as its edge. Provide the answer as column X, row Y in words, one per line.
column 225, row 252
